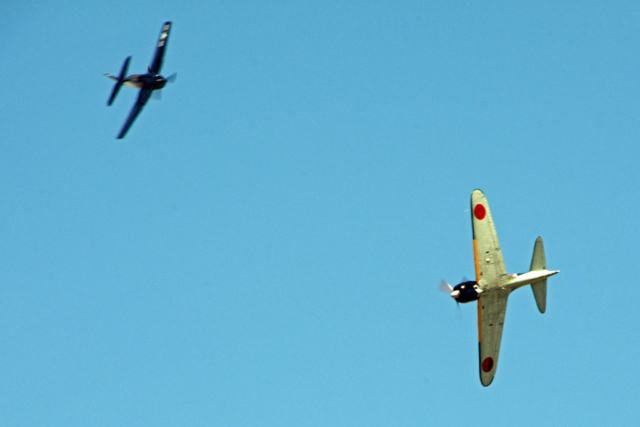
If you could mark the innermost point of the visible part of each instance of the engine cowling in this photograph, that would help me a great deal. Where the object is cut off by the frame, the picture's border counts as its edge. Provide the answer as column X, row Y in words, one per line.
column 466, row 292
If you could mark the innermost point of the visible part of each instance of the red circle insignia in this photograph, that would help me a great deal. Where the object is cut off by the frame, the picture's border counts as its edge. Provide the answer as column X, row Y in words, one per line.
column 487, row 364
column 479, row 211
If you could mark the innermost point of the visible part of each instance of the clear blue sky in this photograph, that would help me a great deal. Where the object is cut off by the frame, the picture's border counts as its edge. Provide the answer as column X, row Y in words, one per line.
column 264, row 247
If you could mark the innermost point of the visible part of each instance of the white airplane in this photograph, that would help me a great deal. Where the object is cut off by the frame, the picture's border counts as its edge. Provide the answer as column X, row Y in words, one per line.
column 493, row 285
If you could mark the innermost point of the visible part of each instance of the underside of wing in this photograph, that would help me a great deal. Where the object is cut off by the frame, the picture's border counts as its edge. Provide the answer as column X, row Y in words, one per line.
column 492, row 307
column 490, row 269
column 142, row 99
column 156, row 63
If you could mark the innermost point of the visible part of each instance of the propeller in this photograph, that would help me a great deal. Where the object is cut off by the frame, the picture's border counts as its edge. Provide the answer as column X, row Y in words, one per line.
column 157, row 94
column 443, row 286
column 172, row 78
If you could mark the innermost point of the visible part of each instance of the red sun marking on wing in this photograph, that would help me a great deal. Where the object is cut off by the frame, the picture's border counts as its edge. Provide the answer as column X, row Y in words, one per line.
column 487, row 364
column 479, row 211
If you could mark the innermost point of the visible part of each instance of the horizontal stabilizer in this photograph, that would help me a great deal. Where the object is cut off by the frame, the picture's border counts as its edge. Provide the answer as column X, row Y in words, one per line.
column 538, row 263
column 119, row 80
column 540, row 292
column 116, row 88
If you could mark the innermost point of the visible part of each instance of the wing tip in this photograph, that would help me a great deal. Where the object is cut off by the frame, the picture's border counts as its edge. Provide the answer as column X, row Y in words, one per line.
column 477, row 195
column 486, row 378
column 487, row 383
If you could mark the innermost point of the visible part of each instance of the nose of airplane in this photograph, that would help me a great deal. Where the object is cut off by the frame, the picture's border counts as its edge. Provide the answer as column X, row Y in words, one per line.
column 455, row 294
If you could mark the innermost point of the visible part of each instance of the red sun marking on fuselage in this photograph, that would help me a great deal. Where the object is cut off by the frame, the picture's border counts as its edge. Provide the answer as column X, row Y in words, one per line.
column 487, row 365
column 479, row 211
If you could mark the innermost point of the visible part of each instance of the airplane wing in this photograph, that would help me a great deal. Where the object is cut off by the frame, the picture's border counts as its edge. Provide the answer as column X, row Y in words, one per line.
column 490, row 269
column 142, row 99
column 156, row 63
column 492, row 307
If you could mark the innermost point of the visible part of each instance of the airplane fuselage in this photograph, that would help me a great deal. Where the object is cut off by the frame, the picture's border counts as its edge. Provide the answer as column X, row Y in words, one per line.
column 471, row 291
column 142, row 81
column 529, row 278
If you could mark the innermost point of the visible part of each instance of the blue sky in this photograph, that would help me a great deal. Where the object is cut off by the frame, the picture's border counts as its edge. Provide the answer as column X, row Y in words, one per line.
column 265, row 245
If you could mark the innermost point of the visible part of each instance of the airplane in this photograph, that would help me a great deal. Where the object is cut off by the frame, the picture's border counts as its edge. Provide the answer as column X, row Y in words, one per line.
column 493, row 285
column 147, row 83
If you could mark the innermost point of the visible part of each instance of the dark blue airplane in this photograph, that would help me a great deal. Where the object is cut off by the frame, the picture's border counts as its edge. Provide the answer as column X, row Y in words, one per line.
column 147, row 83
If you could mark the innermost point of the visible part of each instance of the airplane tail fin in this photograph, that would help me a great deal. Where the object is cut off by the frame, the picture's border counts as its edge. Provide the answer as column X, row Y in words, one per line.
column 538, row 262
column 119, row 80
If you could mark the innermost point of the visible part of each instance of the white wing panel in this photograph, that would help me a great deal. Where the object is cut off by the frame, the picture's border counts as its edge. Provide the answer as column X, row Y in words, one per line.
column 492, row 308
column 490, row 269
